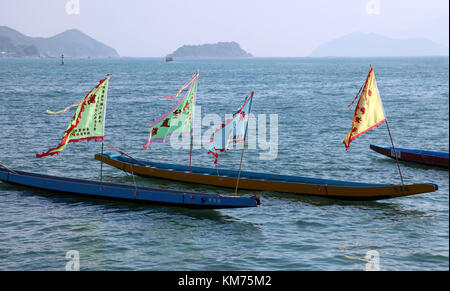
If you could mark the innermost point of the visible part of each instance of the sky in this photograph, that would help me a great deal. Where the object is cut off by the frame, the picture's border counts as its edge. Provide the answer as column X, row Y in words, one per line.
column 265, row 28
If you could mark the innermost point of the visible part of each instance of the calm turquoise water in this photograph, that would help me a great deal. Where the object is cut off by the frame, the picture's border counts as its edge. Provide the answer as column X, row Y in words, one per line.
column 287, row 232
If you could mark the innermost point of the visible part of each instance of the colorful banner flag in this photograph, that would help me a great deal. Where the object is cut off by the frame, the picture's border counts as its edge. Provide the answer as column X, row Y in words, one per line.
column 234, row 131
column 178, row 120
column 368, row 112
column 87, row 122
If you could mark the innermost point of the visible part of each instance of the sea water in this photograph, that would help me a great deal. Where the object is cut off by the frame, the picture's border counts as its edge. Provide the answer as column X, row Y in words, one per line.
column 308, row 99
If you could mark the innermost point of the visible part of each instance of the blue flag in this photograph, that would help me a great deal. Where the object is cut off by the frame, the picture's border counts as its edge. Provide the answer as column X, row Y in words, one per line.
column 233, row 131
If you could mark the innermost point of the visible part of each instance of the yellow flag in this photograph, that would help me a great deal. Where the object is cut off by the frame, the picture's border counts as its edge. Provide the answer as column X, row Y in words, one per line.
column 368, row 112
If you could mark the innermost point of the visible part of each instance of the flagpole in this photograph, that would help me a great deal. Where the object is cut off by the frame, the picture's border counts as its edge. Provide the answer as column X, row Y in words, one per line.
column 239, row 174
column 243, row 149
column 192, row 123
column 101, row 165
column 190, row 155
column 392, row 142
column 103, row 139
column 395, row 153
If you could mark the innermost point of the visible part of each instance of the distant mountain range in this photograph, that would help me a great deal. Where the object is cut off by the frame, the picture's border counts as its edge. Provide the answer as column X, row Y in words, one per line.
column 217, row 50
column 436, row 30
column 360, row 44
column 74, row 43
column 71, row 43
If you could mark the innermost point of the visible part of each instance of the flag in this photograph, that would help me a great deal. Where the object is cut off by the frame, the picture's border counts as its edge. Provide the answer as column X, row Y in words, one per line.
column 368, row 112
column 176, row 121
column 87, row 122
column 234, row 131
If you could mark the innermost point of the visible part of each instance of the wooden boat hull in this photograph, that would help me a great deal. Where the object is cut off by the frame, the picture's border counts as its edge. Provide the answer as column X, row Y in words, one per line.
column 125, row 192
column 266, row 182
column 436, row 159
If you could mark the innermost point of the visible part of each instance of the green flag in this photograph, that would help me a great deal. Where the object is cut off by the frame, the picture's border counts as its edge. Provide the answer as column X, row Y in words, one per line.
column 176, row 121
column 87, row 122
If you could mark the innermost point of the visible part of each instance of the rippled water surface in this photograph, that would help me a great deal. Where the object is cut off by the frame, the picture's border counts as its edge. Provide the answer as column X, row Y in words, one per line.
column 288, row 232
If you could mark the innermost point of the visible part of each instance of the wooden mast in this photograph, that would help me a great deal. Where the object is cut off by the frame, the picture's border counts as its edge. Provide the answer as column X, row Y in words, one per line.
column 392, row 141
column 192, row 122
column 103, row 140
column 243, row 149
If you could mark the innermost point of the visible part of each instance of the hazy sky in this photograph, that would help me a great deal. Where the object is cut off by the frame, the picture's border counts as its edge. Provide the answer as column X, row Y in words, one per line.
column 262, row 27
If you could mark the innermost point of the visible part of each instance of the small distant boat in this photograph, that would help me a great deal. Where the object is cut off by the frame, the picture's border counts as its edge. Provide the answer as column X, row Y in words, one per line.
column 125, row 192
column 333, row 189
column 169, row 59
column 430, row 158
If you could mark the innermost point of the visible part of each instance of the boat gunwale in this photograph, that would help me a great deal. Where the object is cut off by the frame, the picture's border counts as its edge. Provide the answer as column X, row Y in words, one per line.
column 415, row 151
column 244, row 174
column 345, row 192
column 109, row 184
column 230, row 202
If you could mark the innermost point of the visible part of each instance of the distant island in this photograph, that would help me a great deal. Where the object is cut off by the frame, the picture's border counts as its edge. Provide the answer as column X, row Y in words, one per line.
column 360, row 44
column 217, row 50
column 71, row 43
